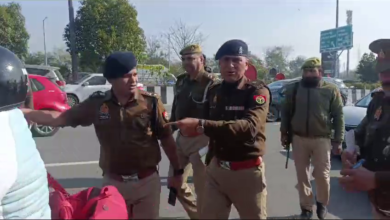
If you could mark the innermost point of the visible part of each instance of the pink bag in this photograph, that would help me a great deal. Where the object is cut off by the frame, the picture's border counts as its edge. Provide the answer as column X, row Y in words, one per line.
column 91, row 203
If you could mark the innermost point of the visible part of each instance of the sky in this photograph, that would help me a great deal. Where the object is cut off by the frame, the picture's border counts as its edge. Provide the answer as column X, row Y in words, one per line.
column 261, row 23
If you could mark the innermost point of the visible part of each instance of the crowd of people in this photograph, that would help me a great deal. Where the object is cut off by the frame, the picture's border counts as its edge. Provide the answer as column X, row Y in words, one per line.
column 221, row 137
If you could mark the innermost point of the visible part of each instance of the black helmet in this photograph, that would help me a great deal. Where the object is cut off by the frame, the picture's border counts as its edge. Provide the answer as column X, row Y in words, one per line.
column 13, row 80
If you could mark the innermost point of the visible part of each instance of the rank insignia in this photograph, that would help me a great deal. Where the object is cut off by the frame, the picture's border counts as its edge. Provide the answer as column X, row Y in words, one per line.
column 260, row 99
column 165, row 115
column 381, row 55
column 378, row 113
column 104, row 113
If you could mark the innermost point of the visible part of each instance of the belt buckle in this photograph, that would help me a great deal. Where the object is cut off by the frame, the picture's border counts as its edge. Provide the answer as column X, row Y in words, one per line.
column 129, row 178
column 225, row 164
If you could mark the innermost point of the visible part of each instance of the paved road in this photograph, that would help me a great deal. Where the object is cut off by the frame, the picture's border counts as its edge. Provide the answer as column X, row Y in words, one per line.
column 71, row 157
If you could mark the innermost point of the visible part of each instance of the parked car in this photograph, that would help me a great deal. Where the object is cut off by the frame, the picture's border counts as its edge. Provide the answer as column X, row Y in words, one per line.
column 47, row 96
column 50, row 72
column 81, row 89
column 354, row 114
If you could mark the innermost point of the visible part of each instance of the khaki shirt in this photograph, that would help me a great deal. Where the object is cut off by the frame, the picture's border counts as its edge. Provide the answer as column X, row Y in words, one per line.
column 190, row 96
column 237, row 119
column 127, row 134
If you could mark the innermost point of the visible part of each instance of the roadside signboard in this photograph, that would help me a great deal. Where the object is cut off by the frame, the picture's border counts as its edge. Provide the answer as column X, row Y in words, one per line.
column 336, row 39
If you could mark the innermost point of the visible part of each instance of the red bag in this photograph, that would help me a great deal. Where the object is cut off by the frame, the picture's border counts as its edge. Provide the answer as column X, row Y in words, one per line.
column 91, row 203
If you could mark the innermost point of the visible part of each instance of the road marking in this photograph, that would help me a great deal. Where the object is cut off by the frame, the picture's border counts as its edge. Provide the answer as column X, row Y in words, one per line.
column 71, row 163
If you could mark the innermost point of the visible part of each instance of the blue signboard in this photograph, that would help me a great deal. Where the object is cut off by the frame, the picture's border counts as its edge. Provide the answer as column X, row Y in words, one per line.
column 336, row 39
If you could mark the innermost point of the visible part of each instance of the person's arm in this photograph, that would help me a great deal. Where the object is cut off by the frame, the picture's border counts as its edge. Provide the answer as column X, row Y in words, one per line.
column 164, row 134
column 244, row 129
column 336, row 112
column 286, row 111
column 382, row 180
column 82, row 114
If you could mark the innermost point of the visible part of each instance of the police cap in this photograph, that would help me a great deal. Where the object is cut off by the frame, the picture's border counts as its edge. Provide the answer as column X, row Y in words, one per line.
column 312, row 62
column 232, row 48
column 191, row 49
column 13, row 80
column 382, row 48
column 118, row 64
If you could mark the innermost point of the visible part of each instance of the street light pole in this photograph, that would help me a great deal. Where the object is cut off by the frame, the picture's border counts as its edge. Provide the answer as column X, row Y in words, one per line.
column 72, row 40
column 44, row 40
column 336, row 58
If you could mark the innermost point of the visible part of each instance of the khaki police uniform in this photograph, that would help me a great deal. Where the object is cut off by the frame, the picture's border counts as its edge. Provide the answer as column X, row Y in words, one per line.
column 309, row 115
column 129, row 149
column 190, row 96
column 236, row 171
column 373, row 136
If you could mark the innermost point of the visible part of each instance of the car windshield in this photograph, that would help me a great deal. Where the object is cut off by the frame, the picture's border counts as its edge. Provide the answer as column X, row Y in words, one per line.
column 364, row 101
column 59, row 75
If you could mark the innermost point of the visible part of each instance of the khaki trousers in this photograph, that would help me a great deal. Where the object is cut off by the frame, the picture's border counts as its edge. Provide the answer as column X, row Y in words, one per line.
column 245, row 189
column 188, row 153
column 142, row 197
column 316, row 151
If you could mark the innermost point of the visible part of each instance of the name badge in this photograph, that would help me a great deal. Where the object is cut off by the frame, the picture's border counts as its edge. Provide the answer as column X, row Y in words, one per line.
column 234, row 108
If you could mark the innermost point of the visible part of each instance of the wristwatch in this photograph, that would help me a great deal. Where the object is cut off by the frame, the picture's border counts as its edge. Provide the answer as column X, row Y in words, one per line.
column 200, row 128
column 178, row 172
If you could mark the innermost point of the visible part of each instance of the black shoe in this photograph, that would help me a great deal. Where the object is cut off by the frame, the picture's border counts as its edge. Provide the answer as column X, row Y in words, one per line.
column 322, row 211
column 306, row 214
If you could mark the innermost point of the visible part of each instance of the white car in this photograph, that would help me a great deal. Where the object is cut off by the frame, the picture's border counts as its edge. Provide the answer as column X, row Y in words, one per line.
column 81, row 89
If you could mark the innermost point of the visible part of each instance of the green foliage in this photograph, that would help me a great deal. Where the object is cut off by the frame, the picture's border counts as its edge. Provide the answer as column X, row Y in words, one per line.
column 361, row 85
column 366, row 68
column 105, row 26
column 13, row 33
column 277, row 57
column 57, row 58
column 295, row 66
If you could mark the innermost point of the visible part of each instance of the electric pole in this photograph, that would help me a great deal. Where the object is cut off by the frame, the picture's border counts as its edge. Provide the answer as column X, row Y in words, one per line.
column 44, row 39
column 349, row 22
column 72, row 40
column 336, row 72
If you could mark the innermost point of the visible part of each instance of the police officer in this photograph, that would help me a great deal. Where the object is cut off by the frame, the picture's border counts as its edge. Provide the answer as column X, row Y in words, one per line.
column 128, row 123
column 23, row 173
column 191, row 91
column 372, row 136
column 236, row 119
column 311, row 110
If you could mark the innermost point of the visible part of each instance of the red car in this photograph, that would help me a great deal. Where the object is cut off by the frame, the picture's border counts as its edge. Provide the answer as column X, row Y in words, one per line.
column 47, row 95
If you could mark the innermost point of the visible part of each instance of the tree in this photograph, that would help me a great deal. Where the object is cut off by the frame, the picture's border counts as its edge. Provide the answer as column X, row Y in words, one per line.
column 295, row 66
column 58, row 58
column 366, row 68
column 105, row 26
column 277, row 57
column 154, row 52
column 181, row 35
column 13, row 33
column 258, row 64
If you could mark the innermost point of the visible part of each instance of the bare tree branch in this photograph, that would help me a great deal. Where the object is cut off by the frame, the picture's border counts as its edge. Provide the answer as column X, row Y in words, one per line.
column 180, row 35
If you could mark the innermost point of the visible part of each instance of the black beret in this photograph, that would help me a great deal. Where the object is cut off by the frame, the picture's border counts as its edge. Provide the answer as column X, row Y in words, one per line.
column 232, row 48
column 118, row 64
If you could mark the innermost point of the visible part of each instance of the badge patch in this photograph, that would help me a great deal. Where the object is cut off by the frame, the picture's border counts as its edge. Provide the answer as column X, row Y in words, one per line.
column 165, row 115
column 104, row 113
column 378, row 113
column 260, row 99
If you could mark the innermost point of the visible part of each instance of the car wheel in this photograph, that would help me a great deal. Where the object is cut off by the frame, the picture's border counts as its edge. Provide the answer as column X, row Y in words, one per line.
column 72, row 100
column 43, row 130
column 273, row 114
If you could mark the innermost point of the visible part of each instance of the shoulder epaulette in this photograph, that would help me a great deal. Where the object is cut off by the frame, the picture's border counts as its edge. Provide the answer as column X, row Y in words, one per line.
column 215, row 84
column 258, row 84
column 98, row 95
column 149, row 94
